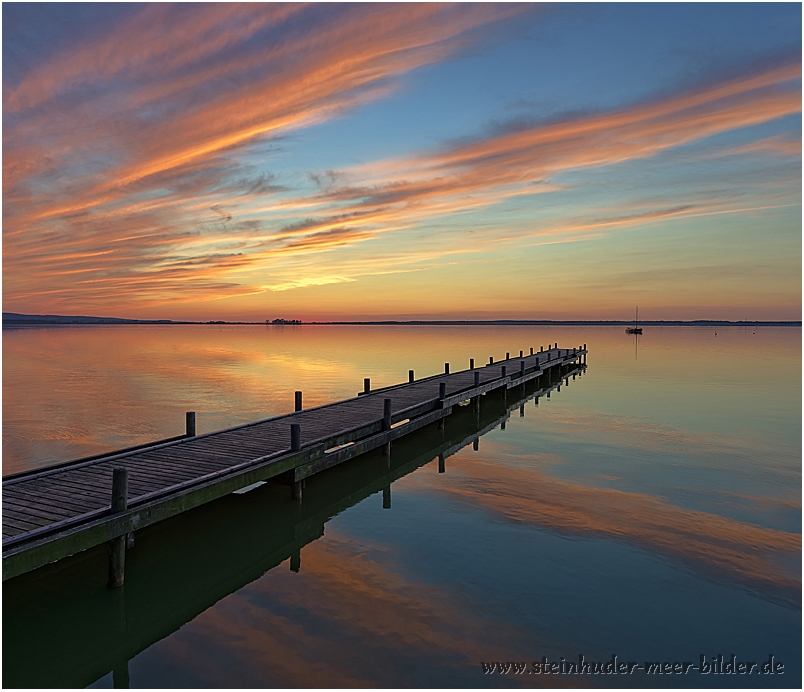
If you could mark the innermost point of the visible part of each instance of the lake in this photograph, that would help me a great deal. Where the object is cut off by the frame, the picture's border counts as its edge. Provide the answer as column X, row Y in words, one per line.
column 649, row 510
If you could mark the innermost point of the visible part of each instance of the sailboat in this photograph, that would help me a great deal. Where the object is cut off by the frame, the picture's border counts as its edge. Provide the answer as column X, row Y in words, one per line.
column 636, row 329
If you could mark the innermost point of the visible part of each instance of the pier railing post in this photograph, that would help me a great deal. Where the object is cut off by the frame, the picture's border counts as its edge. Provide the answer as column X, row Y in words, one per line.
column 295, row 437
column 446, row 368
column 410, row 376
column 507, row 356
column 520, row 353
column 189, row 424
column 386, row 425
column 471, row 363
column 367, row 385
column 117, row 560
column 537, row 363
column 442, row 394
column 531, row 350
column 502, row 373
column 491, row 360
column 522, row 368
column 298, row 401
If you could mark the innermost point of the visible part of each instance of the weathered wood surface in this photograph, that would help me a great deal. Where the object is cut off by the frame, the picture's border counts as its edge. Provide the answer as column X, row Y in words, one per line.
column 58, row 503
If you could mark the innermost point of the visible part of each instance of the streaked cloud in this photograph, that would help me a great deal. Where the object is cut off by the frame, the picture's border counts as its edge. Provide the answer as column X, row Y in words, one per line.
column 151, row 162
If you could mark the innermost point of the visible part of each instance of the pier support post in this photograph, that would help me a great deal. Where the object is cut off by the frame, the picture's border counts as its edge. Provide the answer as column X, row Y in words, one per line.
column 295, row 561
column 189, row 424
column 503, row 371
column 502, row 425
column 536, row 401
column 476, row 443
column 298, row 401
column 410, row 376
column 120, row 677
column 386, row 425
column 386, row 497
column 441, row 464
column 366, row 385
column 522, row 368
column 442, row 394
column 117, row 560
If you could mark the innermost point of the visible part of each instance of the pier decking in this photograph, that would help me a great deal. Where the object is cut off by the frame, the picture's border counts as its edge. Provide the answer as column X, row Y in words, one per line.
column 52, row 513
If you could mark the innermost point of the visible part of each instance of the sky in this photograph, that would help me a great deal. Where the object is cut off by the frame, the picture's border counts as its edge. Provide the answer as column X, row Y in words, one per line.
column 337, row 161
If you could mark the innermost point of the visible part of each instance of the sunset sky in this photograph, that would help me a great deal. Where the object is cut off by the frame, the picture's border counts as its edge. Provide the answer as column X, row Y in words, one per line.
column 412, row 161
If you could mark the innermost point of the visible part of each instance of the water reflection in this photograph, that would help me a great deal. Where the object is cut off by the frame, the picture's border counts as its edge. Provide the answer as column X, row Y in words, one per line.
column 181, row 567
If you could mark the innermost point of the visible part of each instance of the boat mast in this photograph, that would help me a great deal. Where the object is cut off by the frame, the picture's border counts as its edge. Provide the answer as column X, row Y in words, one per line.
column 636, row 326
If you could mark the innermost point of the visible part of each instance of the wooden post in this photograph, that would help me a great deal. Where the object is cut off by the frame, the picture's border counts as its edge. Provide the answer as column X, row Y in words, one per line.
column 120, row 676
column 471, row 363
column 536, row 401
column 531, row 350
column 541, row 349
column 295, row 437
column 537, row 363
column 502, row 374
column 295, row 561
column 502, row 425
column 522, row 410
column 441, row 466
column 386, row 497
column 520, row 353
column 410, row 376
column 189, row 423
column 295, row 446
column 298, row 401
column 507, row 356
column 442, row 393
column 446, row 368
column 117, row 560
column 386, row 425
column 477, row 378
column 476, row 443
column 366, row 385
column 491, row 360
column 521, row 368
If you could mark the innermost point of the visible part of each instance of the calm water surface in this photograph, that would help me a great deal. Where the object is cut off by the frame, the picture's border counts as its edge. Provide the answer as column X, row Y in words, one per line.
column 651, row 510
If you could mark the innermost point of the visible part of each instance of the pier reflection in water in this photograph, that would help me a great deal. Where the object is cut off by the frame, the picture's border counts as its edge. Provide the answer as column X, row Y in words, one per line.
column 181, row 567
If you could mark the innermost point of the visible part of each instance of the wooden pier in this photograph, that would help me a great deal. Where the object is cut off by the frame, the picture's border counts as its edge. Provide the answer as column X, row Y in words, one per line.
column 182, row 567
column 62, row 510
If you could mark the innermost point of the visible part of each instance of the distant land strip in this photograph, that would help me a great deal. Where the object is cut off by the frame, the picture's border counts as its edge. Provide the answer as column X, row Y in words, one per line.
column 17, row 319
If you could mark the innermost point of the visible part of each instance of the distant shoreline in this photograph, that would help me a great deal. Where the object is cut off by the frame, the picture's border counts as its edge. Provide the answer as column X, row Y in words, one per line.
column 18, row 319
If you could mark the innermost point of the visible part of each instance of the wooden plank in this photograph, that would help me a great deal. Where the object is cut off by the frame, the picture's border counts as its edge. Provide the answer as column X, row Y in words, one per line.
column 18, row 508
column 53, row 498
